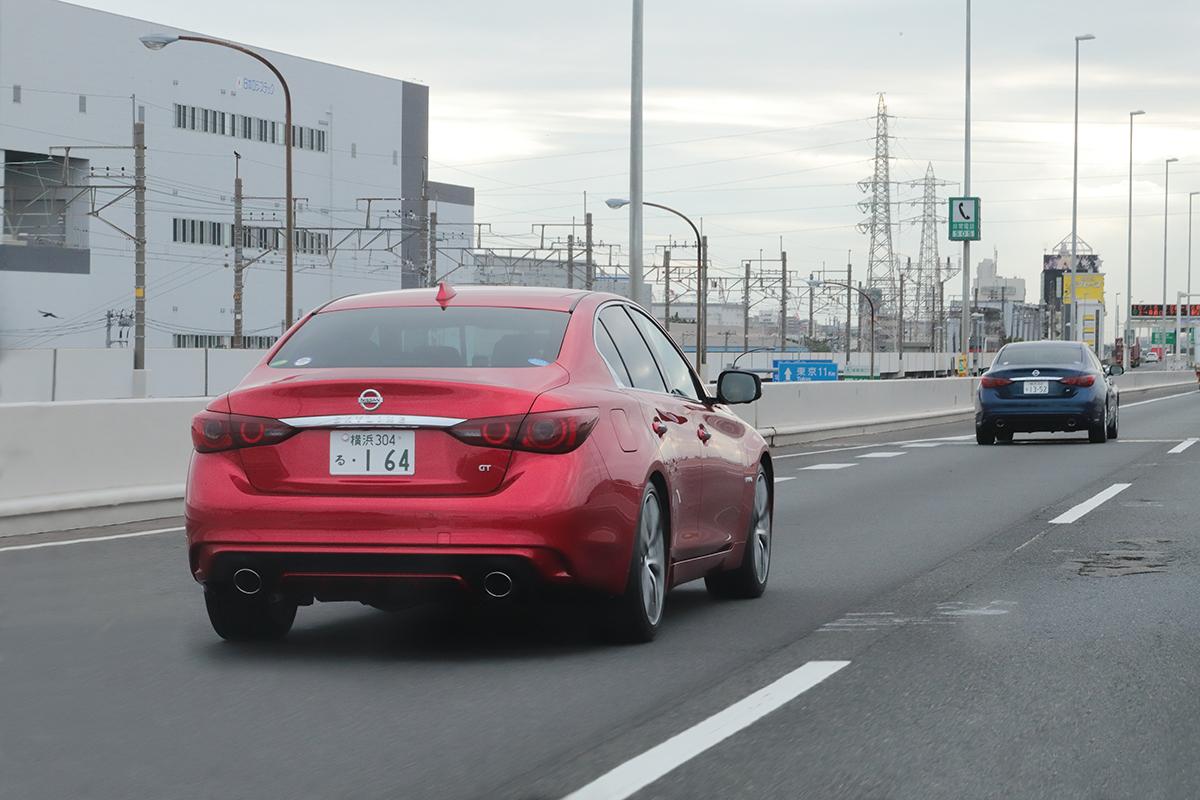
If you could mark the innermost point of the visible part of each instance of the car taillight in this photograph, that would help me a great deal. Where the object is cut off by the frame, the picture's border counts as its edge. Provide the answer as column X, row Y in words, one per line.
column 543, row 432
column 1079, row 380
column 213, row 431
column 994, row 383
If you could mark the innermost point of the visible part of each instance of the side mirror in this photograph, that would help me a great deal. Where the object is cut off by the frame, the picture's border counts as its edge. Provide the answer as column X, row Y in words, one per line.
column 1116, row 369
column 737, row 386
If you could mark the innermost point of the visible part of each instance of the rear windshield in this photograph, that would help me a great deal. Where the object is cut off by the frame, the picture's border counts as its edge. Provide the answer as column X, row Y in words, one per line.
column 1040, row 354
column 426, row 337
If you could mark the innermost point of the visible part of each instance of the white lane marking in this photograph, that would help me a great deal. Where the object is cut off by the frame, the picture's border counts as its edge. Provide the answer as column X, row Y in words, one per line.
column 905, row 442
column 1156, row 399
column 1184, row 445
column 66, row 542
column 885, row 454
column 1032, row 540
column 1092, row 503
column 828, row 466
column 643, row 770
column 788, row 478
column 925, row 444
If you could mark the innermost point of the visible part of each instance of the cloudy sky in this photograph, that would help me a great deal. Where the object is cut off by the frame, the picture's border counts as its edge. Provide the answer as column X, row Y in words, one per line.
column 760, row 114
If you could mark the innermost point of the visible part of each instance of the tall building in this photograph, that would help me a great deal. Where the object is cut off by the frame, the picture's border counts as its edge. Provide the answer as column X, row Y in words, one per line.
column 73, row 81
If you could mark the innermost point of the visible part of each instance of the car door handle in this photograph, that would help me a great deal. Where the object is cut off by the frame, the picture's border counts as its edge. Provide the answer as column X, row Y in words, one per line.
column 703, row 434
column 659, row 428
column 667, row 416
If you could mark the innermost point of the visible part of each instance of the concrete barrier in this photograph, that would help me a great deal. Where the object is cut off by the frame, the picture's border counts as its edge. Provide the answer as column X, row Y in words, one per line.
column 92, row 462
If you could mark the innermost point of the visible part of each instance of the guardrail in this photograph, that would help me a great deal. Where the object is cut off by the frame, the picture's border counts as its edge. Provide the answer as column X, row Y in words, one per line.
column 74, row 463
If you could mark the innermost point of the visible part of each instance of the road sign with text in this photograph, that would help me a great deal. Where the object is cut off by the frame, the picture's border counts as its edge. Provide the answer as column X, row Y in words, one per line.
column 964, row 219
column 806, row 371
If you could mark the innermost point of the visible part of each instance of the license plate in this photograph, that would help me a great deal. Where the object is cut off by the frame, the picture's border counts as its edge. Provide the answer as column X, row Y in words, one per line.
column 1037, row 387
column 371, row 452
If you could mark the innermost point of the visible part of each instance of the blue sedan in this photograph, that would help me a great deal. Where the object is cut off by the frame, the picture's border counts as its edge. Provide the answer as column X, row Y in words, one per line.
column 1046, row 386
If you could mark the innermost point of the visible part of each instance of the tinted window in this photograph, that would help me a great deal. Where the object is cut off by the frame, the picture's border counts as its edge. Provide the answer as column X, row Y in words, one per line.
column 633, row 349
column 426, row 337
column 608, row 350
column 1040, row 354
column 674, row 369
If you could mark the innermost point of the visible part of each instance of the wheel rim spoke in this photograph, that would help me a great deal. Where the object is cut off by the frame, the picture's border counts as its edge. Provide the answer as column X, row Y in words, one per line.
column 653, row 561
column 762, row 528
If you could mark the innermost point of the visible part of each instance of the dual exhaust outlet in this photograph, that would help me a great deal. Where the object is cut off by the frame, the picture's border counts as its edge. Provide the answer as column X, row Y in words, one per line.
column 496, row 584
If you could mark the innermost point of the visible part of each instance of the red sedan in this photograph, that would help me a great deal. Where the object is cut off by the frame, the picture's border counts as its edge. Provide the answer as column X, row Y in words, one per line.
column 496, row 441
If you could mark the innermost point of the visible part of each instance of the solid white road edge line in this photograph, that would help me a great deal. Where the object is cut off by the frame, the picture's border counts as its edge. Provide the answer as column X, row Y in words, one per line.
column 1156, row 399
column 65, row 542
column 1072, row 514
column 1184, row 445
column 643, row 770
column 788, row 478
column 828, row 466
column 868, row 446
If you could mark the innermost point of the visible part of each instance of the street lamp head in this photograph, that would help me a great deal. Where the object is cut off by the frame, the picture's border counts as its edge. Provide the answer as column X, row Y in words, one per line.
column 1172, row 160
column 157, row 41
column 1087, row 37
column 1137, row 113
column 616, row 202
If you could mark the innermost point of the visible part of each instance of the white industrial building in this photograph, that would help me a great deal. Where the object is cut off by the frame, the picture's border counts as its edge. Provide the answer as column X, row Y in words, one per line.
column 72, row 83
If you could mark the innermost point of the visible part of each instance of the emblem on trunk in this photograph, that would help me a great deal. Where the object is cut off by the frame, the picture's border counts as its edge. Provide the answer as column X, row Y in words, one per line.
column 370, row 399
column 1036, row 372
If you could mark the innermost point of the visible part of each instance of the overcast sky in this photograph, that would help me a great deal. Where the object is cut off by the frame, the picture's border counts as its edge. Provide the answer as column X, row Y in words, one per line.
column 759, row 114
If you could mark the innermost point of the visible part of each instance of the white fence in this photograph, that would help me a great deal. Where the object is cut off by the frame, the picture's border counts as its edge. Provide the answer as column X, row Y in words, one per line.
column 107, row 374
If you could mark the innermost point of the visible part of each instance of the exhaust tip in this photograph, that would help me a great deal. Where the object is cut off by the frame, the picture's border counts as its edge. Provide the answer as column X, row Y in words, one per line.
column 247, row 581
column 1000, row 423
column 497, row 584
column 1072, row 423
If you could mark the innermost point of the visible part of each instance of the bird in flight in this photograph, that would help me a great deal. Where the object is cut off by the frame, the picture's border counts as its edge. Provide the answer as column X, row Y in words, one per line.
column 49, row 314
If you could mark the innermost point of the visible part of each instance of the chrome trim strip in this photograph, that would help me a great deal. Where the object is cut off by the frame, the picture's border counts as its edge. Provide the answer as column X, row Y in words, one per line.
column 371, row 421
column 1039, row 378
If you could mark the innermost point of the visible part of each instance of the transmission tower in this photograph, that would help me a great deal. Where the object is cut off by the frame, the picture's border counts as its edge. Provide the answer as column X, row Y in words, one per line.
column 881, row 261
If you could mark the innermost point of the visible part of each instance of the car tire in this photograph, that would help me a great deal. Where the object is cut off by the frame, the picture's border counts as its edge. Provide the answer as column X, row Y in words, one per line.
column 1112, row 427
column 240, row 618
column 749, row 579
column 636, row 616
column 1098, row 432
column 1004, row 437
column 984, row 436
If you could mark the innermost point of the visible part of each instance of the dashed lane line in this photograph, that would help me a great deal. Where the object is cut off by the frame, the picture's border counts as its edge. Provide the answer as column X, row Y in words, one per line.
column 1184, row 445
column 824, row 467
column 884, row 454
column 1091, row 504
column 641, row 771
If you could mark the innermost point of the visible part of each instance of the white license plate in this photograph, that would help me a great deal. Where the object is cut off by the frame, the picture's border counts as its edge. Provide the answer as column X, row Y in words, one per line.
column 372, row 452
column 1037, row 387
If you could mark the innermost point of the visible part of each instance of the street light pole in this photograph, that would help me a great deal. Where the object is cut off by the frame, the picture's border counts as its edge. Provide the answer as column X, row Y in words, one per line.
column 158, row 41
column 1166, row 203
column 1129, row 254
column 966, row 265
column 1189, row 263
column 701, row 275
column 635, row 159
column 1073, row 329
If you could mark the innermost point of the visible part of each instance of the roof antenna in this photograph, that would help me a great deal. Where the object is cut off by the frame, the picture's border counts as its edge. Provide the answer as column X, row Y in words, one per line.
column 445, row 294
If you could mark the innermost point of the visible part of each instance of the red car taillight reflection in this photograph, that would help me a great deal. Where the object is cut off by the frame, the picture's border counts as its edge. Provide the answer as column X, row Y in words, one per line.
column 1079, row 380
column 993, row 383
column 213, row 431
column 543, row 432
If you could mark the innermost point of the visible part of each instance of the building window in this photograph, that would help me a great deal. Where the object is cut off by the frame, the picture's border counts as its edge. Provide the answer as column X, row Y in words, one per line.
column 395, row 158
column 222, row 123
column 16, row 93
column 83, row 104
column 353, row 150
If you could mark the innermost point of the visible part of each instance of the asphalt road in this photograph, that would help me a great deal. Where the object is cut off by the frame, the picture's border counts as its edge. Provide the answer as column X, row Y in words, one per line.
column 973, row 649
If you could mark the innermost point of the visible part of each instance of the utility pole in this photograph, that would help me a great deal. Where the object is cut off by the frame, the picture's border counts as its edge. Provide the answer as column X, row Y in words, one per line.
column 849, row 302
column 783, row 304
column 667, row 290
column 570, row 261
column 811, row 329
column 238, row 237
column 108, row 321
column 139, row 259
column 589, row 264
column 432, row 254
column 635, row 160
column 746, row 309
column 900, row 334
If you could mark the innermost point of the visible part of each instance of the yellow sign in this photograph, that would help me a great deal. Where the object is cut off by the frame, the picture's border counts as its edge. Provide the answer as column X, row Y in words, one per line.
column 139, row 292
column 1089, row 288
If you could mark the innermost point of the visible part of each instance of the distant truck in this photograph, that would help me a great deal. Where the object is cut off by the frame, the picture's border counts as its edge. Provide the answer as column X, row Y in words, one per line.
column 1135, row 353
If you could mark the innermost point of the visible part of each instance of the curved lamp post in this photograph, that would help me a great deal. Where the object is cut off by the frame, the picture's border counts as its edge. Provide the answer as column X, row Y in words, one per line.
column 701, row 277
column 816, row 283
column 157, row 41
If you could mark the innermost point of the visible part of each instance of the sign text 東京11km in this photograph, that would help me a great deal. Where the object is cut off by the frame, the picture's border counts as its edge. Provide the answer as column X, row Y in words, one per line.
column 964, row 219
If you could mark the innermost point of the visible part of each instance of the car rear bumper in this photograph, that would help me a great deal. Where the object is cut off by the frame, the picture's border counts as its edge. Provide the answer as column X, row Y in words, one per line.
column 557, row 520
column 1027, row 416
